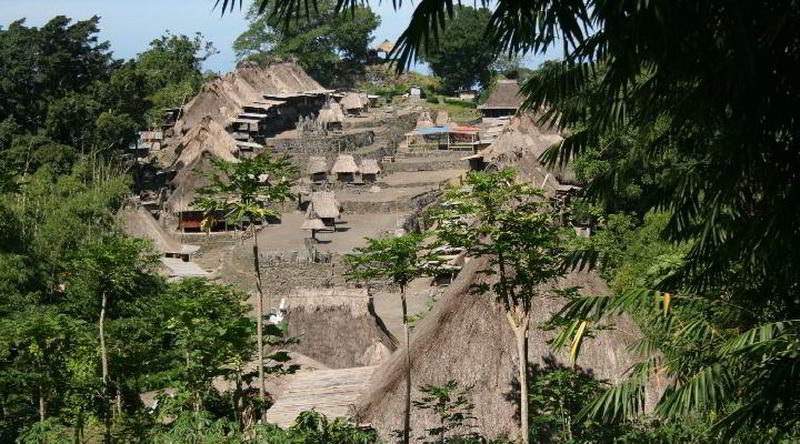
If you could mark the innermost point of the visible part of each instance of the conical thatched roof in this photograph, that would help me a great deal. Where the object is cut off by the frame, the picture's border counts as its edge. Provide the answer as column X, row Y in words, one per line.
column 386, row 46
column 312, row 224
column 344, row 164
column 351, row 101
column 187, row 181
column 361, row 338
column 424, row 120
column 323, row 205
column 370, row 166
column 317, row 164
column 207, row 137
column 138, row 222
column 442, row 118
column 520, row 146
column 466, row 338
column 504, row 96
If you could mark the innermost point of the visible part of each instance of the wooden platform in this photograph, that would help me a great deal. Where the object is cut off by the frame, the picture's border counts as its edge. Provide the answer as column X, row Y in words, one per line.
column 333, row 393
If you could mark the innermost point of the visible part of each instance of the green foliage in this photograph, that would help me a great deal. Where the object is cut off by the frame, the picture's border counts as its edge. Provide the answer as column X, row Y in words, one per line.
column 399, row 259
column 332, row 48
column 452, row 406
column 237, row 189
column 461, row 57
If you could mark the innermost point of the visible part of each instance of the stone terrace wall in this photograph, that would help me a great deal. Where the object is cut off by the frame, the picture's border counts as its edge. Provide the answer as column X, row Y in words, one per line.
column 344, row 143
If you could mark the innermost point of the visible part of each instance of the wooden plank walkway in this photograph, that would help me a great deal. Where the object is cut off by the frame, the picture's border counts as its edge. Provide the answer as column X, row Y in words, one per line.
column 333, row 393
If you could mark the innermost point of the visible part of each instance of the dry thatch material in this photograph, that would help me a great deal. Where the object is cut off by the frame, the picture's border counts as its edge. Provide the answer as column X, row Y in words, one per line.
column 313, row 224
column 317, row 164
column 331, row 113
column 442, row 118
column 323, row 205
column 338, row 327
column 520, row 145
column 467, row 338
column 207, row 137
column 224, row 98
column 187, row 181
column 138, row 222
column 352, row 102
column 504, row 96
column 424, row 120
column 370, row 166
column 344, row 164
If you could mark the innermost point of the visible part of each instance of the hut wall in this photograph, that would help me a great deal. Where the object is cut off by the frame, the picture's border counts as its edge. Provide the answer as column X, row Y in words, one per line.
column 319, row 177
column 494, row 112
column 345, row 177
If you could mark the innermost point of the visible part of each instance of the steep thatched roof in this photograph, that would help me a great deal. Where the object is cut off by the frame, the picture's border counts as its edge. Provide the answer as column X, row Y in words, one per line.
column 386, row 46
column 424, row 120
column 339, row 327
column 225, row 97
column 520, row 145
column 352, row 101
column 487, row 360
column 138, row 222
column 186, row 182
column 442, row 118
column 504, row 96
column 370, row 166
column 344, row 164
column 323, row 205
column 317, row 164
column 207, row 137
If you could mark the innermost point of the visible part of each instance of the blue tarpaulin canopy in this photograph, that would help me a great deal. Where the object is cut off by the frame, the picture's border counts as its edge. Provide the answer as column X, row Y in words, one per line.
column 433, row 130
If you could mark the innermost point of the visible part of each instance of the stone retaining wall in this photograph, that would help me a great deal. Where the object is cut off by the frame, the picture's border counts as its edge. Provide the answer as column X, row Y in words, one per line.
column 344, row 143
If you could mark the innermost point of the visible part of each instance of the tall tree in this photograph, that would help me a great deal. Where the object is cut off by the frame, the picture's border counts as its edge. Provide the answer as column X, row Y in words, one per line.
column 505, row 222
column 249, row 189
column 330, row 47
column 462, row 57
column 401, row 260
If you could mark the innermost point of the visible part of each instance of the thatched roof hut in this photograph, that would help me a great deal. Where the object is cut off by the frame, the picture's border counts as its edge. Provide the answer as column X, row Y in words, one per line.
column 504, row 100
column 424, row 120
column 317, row 164
column 352, row 102
column 323, row 205
column 187, row 181
column 138, row 222
column 344, row 164
column 442, row 118
column 361, row 338
column 331, row 114
column 370, row 166
column 487, row 361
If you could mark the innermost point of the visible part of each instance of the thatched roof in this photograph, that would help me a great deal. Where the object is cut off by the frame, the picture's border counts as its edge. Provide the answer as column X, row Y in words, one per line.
column 323, row 205
column 424, row 120
column 386, row 46
column 344, row 164
column 520, row 145
column 487, row 360
column 207, row 137
column 187, row 181
column 225, row 97
column 138, row 222
column 352, row 101
column 312, row 224
column 370, row 166
column 442, row 118
column 317, row 164
column 331, row 113
column 504, row 96
column 360, row 338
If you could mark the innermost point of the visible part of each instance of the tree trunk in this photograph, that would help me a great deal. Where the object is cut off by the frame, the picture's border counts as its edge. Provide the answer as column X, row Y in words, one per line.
column 520, row 328
column 42, row 412
column 260, row 319
column 104, row 362
column 407, row 407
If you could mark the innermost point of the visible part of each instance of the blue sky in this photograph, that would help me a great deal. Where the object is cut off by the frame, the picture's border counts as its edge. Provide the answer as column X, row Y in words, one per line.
column 130, row 25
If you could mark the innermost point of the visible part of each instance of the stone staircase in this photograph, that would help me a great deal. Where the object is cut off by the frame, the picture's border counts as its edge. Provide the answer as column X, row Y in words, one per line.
column 333, row 393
